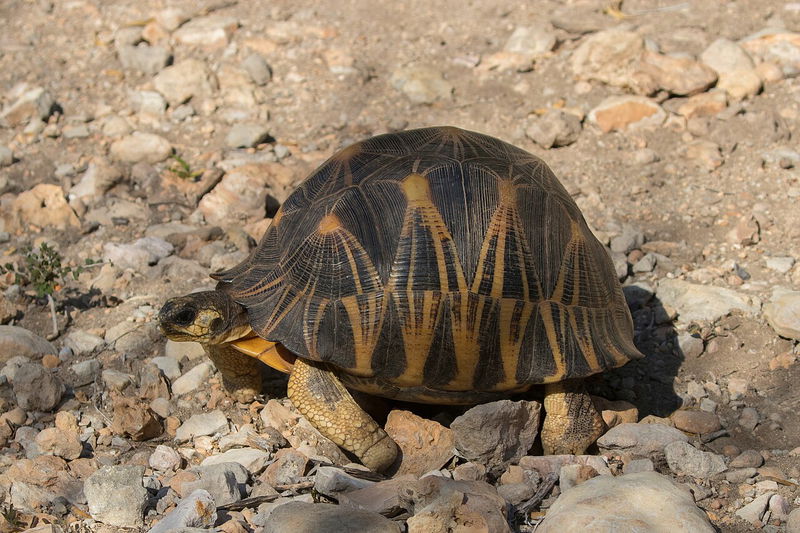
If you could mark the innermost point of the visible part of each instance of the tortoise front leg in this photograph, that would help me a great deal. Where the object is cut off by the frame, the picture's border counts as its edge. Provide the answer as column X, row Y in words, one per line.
column 241, row 374
column 327, row 404
column 572, row 423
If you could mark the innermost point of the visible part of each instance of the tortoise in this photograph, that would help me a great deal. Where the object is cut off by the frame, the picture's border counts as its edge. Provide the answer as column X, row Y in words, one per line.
column 434, row 265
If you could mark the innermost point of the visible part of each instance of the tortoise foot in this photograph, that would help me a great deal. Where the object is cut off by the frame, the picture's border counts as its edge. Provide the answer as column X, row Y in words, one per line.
column 572, row 423
column 327, row 404
column 241, row 374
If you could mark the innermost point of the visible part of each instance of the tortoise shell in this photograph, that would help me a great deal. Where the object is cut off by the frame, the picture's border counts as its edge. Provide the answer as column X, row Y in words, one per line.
column 437, row 258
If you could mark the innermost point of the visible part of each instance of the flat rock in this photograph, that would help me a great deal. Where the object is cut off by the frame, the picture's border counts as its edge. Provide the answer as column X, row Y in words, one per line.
column 210, row 31
column 626, row 112
column 699, row 422
column 197, row 510
column 645, row 501
column 421, row 83
column 778, row 46
column 683, row 458
column 783, row 313
column 639, row 439
column 17, row 341
column 252, row 459
column 141, row 147
column 33, row 103
column 748, row 458
column 332, row 481
column 139, row 254
column 754, row 511
column 382, row 497
column 193, row 379
column 554, row 129
column 241, row 195
column 202, row 424
column 498, row 433
column 425, row 444
column 116, row 497
column 143, row 57
column 294, row 517
column 246, row 135
column 695, row 302
column 82, row 342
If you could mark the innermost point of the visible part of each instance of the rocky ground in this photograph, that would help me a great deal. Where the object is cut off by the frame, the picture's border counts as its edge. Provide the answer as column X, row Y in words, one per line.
column 160, row 139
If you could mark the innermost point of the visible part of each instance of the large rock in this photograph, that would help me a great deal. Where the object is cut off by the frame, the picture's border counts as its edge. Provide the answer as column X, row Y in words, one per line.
column 43, row 206
column 679, row 75
column 296, row 517
column 497, row 434
column 646, row 501
column 683, row 458
column 777, row 46
column 737, row 72
column 141, row 147
column 36, row 388
column 612, row 56
column 703, row 302
column 242, row 194
column 422, row 84
column 783, row 313
column 639, row 439
column 425, row 444
column 185, row 79
column 116, row 496
column 16, row 341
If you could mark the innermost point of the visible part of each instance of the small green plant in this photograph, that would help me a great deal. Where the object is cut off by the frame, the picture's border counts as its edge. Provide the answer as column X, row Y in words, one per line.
column 182, row 169
column 44, row 270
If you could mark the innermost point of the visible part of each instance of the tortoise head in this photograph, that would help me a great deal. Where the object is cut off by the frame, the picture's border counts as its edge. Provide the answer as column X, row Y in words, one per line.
column 208, row 317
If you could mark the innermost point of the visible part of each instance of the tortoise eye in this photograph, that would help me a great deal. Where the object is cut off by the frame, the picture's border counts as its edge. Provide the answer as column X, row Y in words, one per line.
column 185, row 316
column 216, row 325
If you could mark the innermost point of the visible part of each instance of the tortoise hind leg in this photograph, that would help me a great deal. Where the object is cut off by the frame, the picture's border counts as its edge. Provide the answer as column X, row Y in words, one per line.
column 572, row 423
column 241, row 374
column 327, row 404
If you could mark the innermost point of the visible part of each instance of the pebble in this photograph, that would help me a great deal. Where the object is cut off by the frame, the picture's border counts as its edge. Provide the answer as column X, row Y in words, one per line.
column 43, row 206
column 705, row 104
column 116, row 497
column 257, row 67
column 37, row 389
column 635, row 466
column 748, row 418
column 740, row 475
column 425, row 445
column 179, row 350
column 193, row 379
column 603, row 505
column 737, row 74
column 35, row 103
column 63, row 443
column 626, row 112
column 164, row 459
column 297, row 516
column 18, row 341
column 572, row 475
column 639, row 439
column 143, row 57
column 646, row 264
column 82, row 342
column 197, row 510
column 780, row 264
column 531, row 41
column 202, row 424
column 498, row 433
column 783, row 313
column 116, row 380
column 698, row 422
column 630, row 239
column 421, row 83
column 516, row 493
column 147, row 102
column 254, row 460
column 554, row 129
column 748, row 458
column 132, row 418
column 246, row 135
column 754, row 511
column 685, row 459
column 695, row 302
column 141, row 147
column 793, row 521
column 186, row 79
column 6, row 156
column 703, row 154
column 116, row 126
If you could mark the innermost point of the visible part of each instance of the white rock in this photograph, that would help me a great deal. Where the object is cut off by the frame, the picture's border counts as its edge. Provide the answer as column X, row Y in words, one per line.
column 169, row 366
column 754, row 511
column 116, row 496
column 645, row 501
column 186, row 79
column 252, row 459
column 781, row 265
column 202, row 424
column 421, row 83
column 141, row 147
column 683, row 458
column 783, row 313
column 192, row 380
column 703, row 302
column 164, row 458
column 197, row 510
